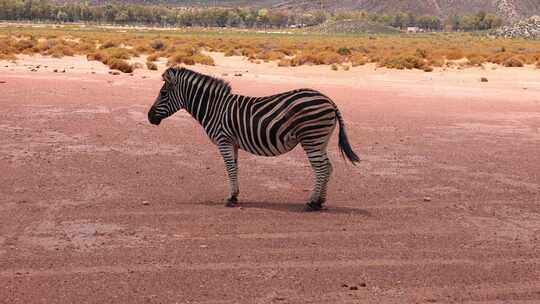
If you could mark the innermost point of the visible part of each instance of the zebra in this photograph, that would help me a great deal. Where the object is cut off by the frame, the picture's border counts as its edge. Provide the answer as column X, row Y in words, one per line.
column 266, row 126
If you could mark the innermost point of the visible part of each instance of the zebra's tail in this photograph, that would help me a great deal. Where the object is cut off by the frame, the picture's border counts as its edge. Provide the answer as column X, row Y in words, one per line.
column 344, row 145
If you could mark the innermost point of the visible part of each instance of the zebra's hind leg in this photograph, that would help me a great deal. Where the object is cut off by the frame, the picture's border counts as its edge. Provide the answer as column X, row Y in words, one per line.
column 323, row 170
column 229, row 153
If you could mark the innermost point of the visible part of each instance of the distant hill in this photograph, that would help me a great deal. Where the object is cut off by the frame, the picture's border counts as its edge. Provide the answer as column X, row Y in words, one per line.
column 506, row 8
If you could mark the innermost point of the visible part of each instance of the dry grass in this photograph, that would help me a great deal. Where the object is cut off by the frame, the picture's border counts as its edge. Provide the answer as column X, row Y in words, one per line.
column 513, row 62
column 187, row 46
column 152, row 57
column 151, row 66
column 121, row 65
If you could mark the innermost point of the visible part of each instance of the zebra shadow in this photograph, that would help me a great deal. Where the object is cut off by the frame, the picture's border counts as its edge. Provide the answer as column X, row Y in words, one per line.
column 292, row 208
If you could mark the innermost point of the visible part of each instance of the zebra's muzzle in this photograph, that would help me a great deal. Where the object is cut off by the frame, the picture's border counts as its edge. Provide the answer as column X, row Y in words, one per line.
column 152, row 118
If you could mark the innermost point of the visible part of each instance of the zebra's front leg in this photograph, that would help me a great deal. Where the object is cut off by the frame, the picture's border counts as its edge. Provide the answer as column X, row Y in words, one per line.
column 230, row 156
column 323, row 170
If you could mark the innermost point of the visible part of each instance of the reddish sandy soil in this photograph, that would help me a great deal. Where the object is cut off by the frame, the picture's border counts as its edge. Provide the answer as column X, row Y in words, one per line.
column 78, row 159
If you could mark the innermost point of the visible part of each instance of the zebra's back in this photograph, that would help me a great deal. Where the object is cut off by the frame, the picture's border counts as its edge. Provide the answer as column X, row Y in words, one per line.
column 274, row 125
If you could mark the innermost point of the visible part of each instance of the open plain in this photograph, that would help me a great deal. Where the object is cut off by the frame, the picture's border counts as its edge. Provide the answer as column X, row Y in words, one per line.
column 98, row 206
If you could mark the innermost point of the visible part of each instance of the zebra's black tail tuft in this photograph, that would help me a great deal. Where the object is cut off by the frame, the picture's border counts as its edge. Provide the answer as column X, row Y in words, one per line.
column 344, row 145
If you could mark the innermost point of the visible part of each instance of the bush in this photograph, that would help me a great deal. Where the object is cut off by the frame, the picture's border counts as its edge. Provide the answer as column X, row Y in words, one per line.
column 190, row 57
column 118, row 53
column 6, row 50
column 153, row 57
column 454, row 55
column 25, row 44
column 343, row 51
column 359, row 59
column 97, row 56
column 180, row 58
column 203, row 59
column 158, row 45
column 141, row 49
column 513, row 62
column 403, row 62
column 151, row 66
column 59, row 51
column 232, row 52
column 436, row 62
column 120, row 64
column 109, row 44
column 285, row 62
column 270, row 56
column 329, row 58
column 86, row 47
column 422, row 53
column 499, row 58
column 476, row 60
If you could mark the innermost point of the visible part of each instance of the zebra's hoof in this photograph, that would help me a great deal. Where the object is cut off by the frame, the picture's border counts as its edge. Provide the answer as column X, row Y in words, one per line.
column 231, row 202
column 313, row 206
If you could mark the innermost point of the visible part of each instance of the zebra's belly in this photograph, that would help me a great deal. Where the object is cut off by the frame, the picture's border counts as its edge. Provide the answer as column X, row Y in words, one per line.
column 266, row 149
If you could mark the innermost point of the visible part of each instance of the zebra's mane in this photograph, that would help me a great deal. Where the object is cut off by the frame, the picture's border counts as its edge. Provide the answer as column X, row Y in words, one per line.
column 183, row 72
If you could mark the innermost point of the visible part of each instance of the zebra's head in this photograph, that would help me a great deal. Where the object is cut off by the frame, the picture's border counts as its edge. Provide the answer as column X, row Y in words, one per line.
column 169, row 100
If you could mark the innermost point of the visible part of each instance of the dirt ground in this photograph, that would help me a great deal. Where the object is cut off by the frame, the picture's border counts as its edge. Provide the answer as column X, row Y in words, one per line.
column 99, row 206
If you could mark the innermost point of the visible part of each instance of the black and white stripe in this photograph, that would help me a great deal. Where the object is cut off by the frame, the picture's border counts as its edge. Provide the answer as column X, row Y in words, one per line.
column 267, row 126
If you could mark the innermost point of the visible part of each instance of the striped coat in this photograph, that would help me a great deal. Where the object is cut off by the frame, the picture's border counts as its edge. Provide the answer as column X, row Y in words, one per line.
column 266, row 126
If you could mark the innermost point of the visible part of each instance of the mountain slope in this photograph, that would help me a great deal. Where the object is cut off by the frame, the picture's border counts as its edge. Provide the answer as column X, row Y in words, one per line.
column 507, row 8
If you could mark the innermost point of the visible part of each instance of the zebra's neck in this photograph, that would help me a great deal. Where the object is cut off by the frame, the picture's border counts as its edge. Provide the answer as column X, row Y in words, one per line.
column 205, row 99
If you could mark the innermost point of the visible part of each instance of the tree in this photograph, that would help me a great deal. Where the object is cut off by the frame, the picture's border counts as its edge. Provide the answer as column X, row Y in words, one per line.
column 431, row 23
column 61, row 16
column 121, row 17
column 262, row 16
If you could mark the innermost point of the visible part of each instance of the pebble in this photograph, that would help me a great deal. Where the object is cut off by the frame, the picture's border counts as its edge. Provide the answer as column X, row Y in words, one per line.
column 427, row 199
column 146, row 203
column 484, row 79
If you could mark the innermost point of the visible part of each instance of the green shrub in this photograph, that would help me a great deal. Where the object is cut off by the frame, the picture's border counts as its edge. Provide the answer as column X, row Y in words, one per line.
column 343, row 51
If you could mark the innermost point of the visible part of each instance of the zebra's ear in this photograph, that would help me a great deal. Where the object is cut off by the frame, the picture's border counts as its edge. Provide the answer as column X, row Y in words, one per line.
column 169, row 76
